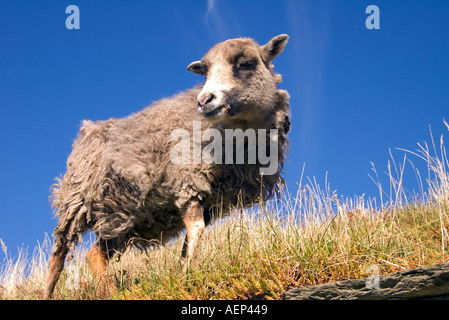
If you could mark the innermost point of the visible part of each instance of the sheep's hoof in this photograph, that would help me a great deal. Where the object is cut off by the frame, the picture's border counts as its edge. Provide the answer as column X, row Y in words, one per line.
column 185, row 264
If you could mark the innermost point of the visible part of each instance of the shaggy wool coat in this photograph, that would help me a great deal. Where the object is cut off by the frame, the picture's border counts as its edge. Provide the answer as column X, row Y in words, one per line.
column 121, row 183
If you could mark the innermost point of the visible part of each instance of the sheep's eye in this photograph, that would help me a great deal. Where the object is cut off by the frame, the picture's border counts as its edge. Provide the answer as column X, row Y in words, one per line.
column 247, row 65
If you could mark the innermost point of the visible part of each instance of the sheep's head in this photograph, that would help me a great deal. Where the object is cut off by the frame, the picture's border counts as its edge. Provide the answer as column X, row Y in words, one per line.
column 240, row 84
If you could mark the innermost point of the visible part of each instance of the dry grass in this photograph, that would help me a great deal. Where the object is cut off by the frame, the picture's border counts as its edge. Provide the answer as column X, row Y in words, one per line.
column 312, row 237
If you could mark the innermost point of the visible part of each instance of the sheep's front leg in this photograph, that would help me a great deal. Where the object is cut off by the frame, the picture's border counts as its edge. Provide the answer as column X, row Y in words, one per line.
column 193, row 217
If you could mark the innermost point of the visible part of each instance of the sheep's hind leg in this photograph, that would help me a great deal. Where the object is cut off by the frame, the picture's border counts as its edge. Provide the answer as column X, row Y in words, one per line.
column 55, row 269
column 193, row 217
column 97, row 259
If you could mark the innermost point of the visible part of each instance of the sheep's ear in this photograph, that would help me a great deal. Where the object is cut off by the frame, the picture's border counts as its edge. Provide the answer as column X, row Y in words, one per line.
column 197, row 67
column 273, row 48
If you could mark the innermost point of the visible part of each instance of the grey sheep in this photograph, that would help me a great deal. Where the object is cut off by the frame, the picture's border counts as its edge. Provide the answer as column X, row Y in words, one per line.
column 123, row 183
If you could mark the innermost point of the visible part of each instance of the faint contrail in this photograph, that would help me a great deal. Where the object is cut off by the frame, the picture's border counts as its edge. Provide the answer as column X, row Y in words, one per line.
column 216, row 25
column 210, row 7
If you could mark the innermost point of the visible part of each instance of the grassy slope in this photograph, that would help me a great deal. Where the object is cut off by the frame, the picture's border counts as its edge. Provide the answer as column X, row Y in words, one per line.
column 313, row 237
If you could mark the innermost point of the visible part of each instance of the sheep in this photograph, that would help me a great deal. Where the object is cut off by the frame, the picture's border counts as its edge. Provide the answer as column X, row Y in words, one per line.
column 123, row 184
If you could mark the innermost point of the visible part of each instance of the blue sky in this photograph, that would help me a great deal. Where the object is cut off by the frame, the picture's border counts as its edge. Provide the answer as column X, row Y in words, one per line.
column 355, row 93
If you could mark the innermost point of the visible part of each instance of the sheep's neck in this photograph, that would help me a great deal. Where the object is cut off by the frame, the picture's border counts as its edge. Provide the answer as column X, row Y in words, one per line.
column 245, row 124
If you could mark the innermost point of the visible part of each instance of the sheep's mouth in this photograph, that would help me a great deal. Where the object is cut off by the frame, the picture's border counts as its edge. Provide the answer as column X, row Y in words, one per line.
column 212, row 114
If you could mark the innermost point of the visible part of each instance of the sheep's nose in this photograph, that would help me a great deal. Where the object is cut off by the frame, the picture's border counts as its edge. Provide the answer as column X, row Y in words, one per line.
column 203, row 101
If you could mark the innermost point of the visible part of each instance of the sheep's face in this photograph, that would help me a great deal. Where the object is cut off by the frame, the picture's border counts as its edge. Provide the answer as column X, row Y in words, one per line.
column 239, row 82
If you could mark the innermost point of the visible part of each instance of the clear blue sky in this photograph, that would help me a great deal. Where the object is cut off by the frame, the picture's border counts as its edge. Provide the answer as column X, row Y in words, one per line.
column 355, row 92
